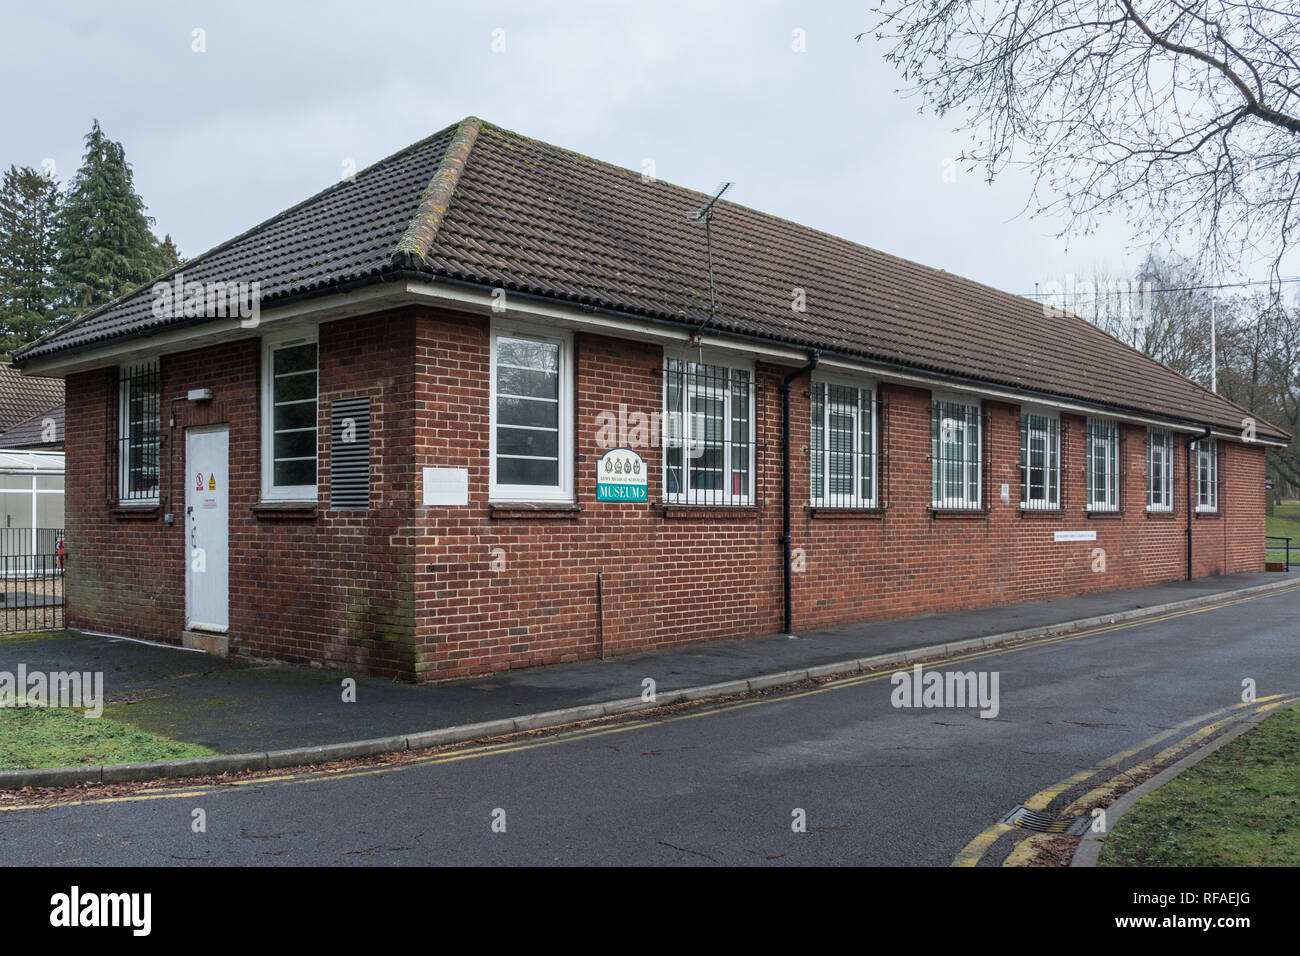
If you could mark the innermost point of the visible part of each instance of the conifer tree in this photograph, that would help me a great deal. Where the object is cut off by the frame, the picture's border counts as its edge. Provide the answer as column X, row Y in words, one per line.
column 29, row 202
column 105, row 246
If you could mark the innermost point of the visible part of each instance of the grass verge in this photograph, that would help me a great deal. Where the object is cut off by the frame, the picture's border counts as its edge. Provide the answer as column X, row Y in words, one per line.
column 1238, row 807
column 32, row 737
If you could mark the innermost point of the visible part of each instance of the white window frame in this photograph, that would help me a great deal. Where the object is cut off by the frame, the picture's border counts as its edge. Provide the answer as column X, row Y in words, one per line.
column 708, row 497
column 1051, row 434
column 1207, row 459
column 865, row 391
column 563, row 491
column 124, row 435
column 270, row 490
column 963, row 503
column 1165, row 440
column 1110, row 504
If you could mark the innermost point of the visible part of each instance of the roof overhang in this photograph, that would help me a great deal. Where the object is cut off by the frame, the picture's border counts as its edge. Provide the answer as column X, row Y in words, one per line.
column 479, row 300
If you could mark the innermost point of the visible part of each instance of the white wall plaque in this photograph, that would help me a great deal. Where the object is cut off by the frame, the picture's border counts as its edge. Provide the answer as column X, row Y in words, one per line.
column 446, row 486
column 1076, row 536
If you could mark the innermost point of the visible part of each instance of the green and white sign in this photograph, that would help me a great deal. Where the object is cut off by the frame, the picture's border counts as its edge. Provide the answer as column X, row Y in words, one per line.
column 620, row 476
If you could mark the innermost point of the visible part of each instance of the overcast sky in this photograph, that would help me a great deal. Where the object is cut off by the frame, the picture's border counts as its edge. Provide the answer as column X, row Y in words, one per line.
column 286, row 93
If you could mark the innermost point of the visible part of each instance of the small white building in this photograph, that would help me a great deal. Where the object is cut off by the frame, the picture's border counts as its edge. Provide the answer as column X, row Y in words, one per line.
column 31, row 502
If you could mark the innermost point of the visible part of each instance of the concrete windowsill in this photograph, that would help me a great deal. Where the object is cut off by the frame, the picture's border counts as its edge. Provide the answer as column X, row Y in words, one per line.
column 844, row 513
column 712, row 512
column 557, row 510
column 285, row 509
column 135, row 512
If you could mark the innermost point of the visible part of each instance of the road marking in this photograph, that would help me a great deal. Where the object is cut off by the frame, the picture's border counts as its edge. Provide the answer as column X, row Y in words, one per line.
column 983, row 842
column 511, row 746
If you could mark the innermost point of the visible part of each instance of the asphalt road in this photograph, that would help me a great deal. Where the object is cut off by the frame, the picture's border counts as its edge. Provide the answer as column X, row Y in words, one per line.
column 721, row 782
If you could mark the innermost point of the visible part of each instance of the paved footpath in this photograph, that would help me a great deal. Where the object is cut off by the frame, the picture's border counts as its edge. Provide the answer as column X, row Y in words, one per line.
column 241, row 707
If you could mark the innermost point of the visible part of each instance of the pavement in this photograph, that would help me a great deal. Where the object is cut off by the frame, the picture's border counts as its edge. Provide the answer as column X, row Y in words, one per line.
column 240, row 708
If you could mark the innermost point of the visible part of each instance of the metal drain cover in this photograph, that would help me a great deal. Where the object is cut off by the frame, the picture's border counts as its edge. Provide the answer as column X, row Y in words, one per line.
column 1041, row 821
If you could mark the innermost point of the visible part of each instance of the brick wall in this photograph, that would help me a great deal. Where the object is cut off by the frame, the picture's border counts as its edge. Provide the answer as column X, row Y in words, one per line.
column 327, row 586
column 436, row 592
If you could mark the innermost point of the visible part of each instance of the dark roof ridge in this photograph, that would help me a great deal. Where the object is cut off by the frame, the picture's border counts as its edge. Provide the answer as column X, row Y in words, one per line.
column 413, row 249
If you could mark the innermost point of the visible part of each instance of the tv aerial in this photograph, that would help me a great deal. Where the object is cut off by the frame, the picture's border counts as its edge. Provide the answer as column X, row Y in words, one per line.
column 705, row 215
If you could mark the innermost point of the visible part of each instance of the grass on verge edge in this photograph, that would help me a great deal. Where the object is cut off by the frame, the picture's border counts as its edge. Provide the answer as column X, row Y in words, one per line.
column 32, row 737
column 1238, row 807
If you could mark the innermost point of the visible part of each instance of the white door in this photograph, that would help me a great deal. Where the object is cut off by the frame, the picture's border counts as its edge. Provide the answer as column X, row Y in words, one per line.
column 207, row 529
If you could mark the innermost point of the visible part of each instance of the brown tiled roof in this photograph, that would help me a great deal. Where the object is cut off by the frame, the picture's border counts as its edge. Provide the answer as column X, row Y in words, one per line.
column 22, row 396
column 487, row 206
column 30, row 434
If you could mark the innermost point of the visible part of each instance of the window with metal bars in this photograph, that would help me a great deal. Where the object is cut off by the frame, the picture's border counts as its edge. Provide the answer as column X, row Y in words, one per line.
column 956, row 455
column 1160, row 470
column 708, row 433
column 1207, row 475
column 843, row 445
column 135, row 447
column 1102, row 465
column 1040, row 461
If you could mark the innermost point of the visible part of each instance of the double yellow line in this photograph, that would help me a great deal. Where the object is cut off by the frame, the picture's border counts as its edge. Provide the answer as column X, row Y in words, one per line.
column 519, row 744
column 975, row 851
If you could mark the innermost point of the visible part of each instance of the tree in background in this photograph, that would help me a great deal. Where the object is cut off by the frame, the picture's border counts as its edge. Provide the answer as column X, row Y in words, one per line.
column 105, row 243
column 29, row 202
column 170, row 254
column 1259, row 369
column 1182, row 118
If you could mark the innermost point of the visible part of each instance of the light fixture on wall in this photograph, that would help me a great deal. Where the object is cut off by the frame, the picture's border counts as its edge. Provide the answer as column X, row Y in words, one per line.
column 199, row 395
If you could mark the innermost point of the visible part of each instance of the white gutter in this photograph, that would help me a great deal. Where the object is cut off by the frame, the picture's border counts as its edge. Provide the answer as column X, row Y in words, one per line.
column 464, row 298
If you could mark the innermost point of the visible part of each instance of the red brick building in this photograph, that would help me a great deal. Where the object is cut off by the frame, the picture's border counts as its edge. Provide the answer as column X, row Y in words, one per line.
column 382, row 450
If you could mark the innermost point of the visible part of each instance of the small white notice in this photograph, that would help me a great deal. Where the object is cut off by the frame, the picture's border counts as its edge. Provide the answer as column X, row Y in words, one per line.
column 446, row 486
column 1076, row 536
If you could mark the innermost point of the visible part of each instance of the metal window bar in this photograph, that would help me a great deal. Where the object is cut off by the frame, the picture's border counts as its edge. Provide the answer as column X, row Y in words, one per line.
column 1040, row 462
column 1207, row 477
column 956, row 456
column 843, row 460
column 710, row 452
column 882, row 455
column 134, row 434
column 1101, row 466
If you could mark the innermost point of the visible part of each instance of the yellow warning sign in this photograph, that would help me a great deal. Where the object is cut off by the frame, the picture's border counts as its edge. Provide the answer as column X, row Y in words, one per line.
column 212, row 482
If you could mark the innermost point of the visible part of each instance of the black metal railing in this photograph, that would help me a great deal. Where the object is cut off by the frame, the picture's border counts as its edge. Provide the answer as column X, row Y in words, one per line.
column 29, row 541
column 1285, row 550
column 709, row 435
column 31, row 592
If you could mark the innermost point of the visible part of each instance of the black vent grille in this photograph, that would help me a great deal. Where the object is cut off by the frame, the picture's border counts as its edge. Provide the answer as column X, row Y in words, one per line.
column 350, row 453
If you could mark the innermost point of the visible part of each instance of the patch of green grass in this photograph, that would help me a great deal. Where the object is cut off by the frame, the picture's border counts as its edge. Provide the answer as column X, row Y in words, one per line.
column 1284, row 522
column 33, row 737
column 1238, row 807
column 30, row 637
